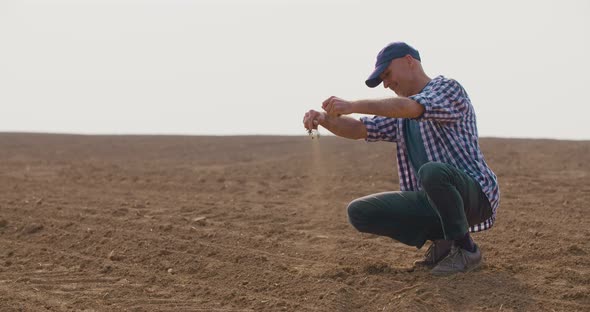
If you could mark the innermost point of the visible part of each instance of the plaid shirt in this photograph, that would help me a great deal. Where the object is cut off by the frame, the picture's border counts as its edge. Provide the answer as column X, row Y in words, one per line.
column 449, row 132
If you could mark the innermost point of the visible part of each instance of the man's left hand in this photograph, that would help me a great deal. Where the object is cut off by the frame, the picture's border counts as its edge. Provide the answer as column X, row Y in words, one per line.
column 336, row 106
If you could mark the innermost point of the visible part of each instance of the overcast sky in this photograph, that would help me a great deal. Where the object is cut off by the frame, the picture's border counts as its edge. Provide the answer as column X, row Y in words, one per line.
column 254, row 67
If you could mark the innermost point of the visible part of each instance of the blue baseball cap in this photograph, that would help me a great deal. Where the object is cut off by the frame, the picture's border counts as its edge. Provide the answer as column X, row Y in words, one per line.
column 389, row 53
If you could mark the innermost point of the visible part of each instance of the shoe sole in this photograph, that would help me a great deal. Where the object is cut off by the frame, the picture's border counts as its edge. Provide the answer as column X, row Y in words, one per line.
column 422, row 264
column 475, row 267
column 419, row 265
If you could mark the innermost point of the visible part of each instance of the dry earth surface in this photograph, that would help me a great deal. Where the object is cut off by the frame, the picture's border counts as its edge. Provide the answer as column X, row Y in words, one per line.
column 171, row 223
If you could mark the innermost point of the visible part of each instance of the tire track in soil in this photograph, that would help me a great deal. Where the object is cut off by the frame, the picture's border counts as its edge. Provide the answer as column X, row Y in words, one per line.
column 162, row 237
column 93, row 220
column 165, row 236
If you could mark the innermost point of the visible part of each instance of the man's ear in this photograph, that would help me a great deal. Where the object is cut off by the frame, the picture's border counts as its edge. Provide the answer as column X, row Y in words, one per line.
column 410, row 60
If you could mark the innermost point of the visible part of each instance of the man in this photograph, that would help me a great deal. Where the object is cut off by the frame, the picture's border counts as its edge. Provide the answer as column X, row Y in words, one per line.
column 447, row 189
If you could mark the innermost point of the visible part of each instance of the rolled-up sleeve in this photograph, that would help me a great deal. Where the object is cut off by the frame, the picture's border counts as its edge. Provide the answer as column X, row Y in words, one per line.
column 444, row 102
column 381, row 128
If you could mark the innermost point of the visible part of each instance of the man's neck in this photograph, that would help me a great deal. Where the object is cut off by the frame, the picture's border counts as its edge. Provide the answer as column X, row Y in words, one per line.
column 421, row 82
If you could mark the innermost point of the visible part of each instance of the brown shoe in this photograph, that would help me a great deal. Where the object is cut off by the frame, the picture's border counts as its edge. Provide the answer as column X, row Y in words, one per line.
column 437, row 251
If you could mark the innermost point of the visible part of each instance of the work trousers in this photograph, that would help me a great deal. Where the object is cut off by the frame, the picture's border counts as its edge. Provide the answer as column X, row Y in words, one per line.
column 449, row 203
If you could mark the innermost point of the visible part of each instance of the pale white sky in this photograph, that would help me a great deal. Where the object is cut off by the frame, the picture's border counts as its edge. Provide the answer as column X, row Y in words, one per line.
column 254, row 67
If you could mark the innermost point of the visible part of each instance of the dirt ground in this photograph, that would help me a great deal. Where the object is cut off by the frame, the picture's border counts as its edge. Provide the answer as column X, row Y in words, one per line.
column 169, row 223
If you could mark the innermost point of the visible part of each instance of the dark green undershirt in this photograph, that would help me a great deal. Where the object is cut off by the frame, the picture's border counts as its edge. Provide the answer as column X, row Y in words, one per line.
column 414, row 144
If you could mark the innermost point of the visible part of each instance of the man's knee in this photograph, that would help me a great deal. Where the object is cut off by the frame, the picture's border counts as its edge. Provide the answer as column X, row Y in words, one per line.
column 432, row 174
column 356, row 214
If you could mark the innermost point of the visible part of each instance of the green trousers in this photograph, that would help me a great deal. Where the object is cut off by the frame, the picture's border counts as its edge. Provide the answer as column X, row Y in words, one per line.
column 449, row 203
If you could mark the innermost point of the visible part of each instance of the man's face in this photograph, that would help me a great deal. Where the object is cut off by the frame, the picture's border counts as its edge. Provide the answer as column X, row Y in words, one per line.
column 396, row 76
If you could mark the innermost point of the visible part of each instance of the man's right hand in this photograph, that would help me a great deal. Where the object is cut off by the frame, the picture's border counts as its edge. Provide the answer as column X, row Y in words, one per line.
column 313, row 118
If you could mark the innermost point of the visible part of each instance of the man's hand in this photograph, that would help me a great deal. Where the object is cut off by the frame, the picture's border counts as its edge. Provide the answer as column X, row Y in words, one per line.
column 312, row 119
column 335, row 106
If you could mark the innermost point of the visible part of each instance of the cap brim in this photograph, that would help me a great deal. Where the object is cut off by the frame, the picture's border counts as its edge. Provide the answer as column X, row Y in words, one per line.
column 374, row 79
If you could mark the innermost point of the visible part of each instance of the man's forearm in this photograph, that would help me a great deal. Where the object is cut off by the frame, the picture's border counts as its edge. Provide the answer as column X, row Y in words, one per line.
column 346, row 127
column 398, row 107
